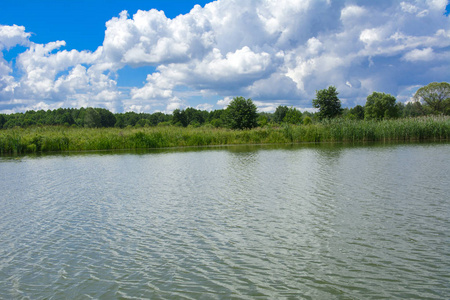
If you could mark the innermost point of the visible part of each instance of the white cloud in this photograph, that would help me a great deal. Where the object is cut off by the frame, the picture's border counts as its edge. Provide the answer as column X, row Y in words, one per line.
column 438, row 5
column 426, row 54
column 408, row 7
column 224, row 102
column 373, row 35
column 353, row 14
column 205, row 106
column 274, row 51
column 10, row 36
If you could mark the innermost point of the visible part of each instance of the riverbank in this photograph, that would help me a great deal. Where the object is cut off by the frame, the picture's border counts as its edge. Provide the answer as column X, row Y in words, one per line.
column 60, row 138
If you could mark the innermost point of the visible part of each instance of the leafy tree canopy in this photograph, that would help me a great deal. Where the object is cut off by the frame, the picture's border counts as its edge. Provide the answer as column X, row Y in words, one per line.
column 293, row 116
column 241, row 113
column 435, row 96
column 328, row 103
column 358, row 112
column 92, row 118
column 280, row 113
column 380, row 106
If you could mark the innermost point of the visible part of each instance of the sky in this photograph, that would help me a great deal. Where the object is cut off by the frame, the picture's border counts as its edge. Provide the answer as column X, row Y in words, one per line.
column 149, row 56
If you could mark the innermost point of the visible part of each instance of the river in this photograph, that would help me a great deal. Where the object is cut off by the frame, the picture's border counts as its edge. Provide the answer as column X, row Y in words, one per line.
column 244, row 222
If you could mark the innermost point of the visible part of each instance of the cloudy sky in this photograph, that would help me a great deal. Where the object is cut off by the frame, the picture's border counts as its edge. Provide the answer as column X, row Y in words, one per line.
column 148, row 56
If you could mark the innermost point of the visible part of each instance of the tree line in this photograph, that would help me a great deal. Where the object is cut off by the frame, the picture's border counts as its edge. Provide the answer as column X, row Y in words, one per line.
column 242, row 113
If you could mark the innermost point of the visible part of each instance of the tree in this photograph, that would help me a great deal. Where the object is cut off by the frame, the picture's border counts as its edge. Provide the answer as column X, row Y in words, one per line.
column 413, row 109
column 435, row 96
column 194, row 116
column 280, row 113
column 119, row 122
column 107, row 118
column 358, row 112
column 179, row 118
column 217, row 117
column 263, row 119
column 241, row 113
column 328, row 103
column 92, row 118
column 2, row 120
column 293, row 116
column 380, row 106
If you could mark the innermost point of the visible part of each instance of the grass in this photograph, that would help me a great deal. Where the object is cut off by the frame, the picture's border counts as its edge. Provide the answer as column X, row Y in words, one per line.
column 60, row 138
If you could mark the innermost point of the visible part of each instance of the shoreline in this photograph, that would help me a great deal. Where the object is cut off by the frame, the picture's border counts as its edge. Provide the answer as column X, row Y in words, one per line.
column 65, row 139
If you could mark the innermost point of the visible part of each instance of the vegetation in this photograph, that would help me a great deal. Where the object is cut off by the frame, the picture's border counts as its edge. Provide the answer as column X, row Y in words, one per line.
column 380, row 106
column 381, row 119
column 241, row 113
column 60, row 138
column 328, row 103
column 435, row 97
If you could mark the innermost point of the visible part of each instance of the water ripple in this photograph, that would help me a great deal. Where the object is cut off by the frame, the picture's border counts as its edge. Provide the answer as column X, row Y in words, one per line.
column 309, row 223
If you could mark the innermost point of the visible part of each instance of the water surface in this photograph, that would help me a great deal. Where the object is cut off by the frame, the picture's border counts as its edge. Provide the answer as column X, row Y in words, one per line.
column 312, row 222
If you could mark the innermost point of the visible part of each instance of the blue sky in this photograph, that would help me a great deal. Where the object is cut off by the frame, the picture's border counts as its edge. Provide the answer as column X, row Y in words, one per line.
column 171, row 55
column 80, row 23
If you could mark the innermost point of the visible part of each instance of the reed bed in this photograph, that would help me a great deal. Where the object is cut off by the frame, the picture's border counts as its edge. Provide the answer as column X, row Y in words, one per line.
column 60, row 138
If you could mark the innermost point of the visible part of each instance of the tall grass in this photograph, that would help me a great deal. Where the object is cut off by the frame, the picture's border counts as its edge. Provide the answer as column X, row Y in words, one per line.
column 61, row 138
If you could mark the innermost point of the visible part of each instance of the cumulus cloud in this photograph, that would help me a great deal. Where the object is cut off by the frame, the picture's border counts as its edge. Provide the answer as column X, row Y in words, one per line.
column 417, row 55
column 11, row 36
column 274, row 51
column 224, row 102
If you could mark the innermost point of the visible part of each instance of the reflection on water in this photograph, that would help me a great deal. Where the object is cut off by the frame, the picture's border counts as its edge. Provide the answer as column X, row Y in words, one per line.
column 311, row 221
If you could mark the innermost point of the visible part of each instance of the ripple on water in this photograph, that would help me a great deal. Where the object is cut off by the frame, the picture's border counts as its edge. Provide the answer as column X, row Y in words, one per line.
column 289, row 223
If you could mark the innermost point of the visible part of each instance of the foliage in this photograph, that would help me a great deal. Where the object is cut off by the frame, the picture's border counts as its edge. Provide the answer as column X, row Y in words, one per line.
column 263, row 120
column 293, row 116
column 413, row 109
column 431, row 99
column 328, row 103
column 61, row 138
column 307, row 120
column 189, row 116
column 357, row 112
column 435, row 97
column 2, row 120
column 92, row 118
column 380, row 106
column 241, row 114
column 107, row 118
column 179, row 118
column 280, row 113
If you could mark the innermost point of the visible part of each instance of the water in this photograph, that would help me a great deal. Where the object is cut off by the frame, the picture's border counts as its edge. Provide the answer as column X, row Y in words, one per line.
column 303, row 222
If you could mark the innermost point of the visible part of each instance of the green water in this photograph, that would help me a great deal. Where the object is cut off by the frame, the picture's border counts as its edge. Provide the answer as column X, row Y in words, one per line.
column 298, row 222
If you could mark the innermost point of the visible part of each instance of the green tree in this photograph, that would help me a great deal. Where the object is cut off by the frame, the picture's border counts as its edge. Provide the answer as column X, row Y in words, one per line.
column 194, row 116
column 307, row 120
column 107, row 118
column 358, row 112
column 263, row 119
column 241, row 113
column 328, row 103
column 179, row 118
column 280, row 113
column 92, row 118
column 119, row 121
column 2, row 120
column 142, row 123
column 413, row 109
column 159, row 117
column 435, row 97
column 293, row 116
column 380, row 106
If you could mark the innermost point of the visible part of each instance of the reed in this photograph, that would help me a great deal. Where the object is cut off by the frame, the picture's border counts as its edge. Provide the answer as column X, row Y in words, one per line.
column 60, row 138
